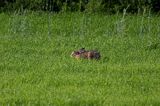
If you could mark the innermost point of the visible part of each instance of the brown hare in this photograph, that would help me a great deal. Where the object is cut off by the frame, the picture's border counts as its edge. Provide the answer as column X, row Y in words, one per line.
column 86, row 54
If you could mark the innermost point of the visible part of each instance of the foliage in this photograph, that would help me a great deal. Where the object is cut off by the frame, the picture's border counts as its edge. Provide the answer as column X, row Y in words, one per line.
column 111, row 6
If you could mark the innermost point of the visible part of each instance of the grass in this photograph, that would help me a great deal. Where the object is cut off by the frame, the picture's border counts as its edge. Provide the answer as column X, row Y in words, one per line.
column 36, row 67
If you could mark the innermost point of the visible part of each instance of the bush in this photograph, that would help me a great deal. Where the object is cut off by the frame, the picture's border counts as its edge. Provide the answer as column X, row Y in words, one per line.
column 109, row 6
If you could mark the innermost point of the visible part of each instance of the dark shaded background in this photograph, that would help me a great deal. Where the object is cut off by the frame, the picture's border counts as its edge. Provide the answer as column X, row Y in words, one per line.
column 108, row 6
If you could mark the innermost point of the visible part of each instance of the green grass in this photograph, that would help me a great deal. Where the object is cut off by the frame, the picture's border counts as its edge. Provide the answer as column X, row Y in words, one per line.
column 36, row 67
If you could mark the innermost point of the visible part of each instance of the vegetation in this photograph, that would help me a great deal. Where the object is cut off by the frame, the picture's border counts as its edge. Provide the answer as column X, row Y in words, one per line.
column 36, row 67
column 107, row 6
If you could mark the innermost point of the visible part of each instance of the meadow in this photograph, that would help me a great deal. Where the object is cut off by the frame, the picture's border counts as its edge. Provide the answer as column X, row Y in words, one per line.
column 36, row 67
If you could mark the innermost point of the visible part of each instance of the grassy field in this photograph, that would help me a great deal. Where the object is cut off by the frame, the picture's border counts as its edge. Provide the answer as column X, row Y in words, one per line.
column 36, row 67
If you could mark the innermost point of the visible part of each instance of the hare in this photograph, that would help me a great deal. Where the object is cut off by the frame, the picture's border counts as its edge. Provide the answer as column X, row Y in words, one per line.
column 86, row 54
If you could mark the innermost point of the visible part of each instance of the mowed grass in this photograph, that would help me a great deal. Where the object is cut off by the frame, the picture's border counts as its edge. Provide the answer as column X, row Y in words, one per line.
column 36, row 67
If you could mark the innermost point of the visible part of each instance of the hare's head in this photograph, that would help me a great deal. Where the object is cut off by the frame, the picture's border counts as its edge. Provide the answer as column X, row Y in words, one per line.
column 76, row 54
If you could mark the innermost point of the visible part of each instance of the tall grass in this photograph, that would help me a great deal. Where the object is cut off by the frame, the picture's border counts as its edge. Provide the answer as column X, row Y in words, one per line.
column 36, row 67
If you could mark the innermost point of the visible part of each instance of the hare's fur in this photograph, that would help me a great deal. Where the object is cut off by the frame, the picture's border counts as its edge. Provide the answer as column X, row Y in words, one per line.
column 86, row 54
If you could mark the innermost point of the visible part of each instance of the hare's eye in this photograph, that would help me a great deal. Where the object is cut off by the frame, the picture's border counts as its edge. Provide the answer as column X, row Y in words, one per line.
column 77, row 53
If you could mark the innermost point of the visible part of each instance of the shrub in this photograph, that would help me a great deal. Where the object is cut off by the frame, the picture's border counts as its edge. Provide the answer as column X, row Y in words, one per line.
column 111, row 6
